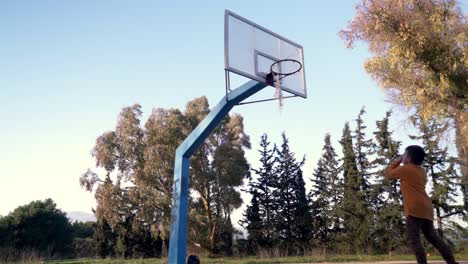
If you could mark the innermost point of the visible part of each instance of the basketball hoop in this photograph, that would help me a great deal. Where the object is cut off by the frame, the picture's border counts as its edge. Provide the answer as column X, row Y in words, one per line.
column 255, row 53
column 279, row 70
column 276, row 69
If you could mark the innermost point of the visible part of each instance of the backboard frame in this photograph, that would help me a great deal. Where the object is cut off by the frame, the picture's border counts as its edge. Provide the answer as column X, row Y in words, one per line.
column 257, row 53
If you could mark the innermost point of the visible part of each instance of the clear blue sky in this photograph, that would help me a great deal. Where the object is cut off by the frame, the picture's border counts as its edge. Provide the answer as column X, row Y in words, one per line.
column 68, row 67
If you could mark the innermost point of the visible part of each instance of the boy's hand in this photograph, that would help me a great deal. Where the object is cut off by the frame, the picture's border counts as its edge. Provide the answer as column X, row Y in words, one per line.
column 392, row 170
column 397, row 161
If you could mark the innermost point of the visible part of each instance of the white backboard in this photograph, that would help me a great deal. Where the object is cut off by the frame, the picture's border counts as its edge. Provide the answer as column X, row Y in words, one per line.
column 250, row 50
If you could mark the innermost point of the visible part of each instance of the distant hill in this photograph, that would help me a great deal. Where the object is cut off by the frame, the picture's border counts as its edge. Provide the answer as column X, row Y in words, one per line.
column 81, row 216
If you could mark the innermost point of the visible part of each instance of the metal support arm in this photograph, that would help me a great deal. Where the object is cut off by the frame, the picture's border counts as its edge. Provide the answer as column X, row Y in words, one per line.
column 178, row 239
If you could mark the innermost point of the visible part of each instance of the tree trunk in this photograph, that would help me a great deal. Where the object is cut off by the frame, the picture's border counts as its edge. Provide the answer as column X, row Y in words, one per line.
column 213, row 249
column 461, row 141
column 211, row 224
column 436, row 205
column 439, row 222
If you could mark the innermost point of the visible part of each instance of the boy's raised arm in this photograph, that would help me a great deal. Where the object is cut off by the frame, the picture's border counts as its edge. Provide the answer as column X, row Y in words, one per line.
column 394, row 171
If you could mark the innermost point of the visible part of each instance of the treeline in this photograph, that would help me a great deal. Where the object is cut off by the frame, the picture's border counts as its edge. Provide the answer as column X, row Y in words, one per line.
column 351, row 207
column 39, row 230
column 126, row 241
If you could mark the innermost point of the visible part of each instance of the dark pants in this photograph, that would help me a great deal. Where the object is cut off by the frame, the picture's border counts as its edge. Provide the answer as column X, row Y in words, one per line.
column 414, row 226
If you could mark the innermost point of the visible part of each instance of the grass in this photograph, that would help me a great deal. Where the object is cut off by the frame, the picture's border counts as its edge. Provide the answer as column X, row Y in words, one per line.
column 254, row 260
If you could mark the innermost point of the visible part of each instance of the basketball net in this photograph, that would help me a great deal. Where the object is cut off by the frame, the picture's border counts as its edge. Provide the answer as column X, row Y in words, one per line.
column 279, row 92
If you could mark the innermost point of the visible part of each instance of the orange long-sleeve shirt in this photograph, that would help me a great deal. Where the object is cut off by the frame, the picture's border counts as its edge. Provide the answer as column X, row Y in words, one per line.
column 413, row 187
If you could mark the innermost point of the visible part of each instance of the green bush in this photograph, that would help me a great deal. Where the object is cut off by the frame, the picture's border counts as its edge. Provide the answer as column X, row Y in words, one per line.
column 84, row 248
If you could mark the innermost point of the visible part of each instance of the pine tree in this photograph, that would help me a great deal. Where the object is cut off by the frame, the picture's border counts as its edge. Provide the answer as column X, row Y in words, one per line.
column 288, row 170
column 302, row 214
column 253, row 223
column 464, row 190
column 441, row 172
column 353, row 206
column 325, row 196
column 264, row 187
column 389, row 228
column 363, row 148
column 320, row 206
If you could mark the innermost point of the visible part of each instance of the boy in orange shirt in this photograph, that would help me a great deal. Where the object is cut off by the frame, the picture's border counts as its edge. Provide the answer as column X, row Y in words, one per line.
column 417, row 204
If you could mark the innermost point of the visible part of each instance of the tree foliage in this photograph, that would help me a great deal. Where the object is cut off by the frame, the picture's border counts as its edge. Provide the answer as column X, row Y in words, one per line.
column 280, row 206
column 218, row 169
column 354, row 209
column 388, row 206
column 38, row 226
column 420, row 55
column 419, row 49
column 325, row 198
column 255, row 226
column 442, row 173
column 290, row 196
column 261, row 214
column 136, row 189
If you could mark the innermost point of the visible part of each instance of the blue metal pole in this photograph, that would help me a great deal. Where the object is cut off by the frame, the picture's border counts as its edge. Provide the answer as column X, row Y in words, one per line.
column 179, row 214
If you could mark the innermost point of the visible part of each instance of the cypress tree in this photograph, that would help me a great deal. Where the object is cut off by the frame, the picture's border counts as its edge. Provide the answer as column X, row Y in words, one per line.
column 389, row 228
